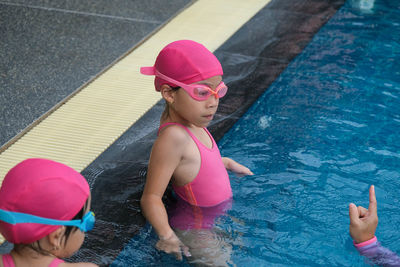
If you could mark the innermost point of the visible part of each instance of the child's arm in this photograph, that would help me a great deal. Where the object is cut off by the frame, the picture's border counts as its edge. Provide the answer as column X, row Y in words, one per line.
column 363, row 223
column 232, row 165
column 377, row 254
column 165, row 157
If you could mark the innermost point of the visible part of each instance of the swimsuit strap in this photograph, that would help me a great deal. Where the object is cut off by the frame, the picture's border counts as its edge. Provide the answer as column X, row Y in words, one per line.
column 214, row 144
column 56, row 262
column 8, row 260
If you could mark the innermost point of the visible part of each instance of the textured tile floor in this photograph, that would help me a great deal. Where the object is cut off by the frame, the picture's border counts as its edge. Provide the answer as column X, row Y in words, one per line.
column 51, row 48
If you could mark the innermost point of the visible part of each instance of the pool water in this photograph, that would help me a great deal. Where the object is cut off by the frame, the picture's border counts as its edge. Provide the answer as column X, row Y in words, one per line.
column 326, row 129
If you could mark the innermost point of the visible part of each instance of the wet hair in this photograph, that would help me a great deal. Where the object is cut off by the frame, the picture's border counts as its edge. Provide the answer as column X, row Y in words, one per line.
column 165, row 113
column 68, row 230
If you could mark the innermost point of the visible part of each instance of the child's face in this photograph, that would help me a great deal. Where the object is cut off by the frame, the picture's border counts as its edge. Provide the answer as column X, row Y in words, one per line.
column 199, row 113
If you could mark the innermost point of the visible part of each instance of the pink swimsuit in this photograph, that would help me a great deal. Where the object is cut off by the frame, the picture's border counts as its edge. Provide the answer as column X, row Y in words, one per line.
column 9, row 262
column 184, row 216
column 211, row 186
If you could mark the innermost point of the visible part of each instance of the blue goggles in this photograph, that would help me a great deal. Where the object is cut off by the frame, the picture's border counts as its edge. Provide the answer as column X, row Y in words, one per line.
column 86, row 224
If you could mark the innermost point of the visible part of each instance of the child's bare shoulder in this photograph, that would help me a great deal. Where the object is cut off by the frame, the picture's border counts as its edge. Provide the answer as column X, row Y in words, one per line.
column 174, row 134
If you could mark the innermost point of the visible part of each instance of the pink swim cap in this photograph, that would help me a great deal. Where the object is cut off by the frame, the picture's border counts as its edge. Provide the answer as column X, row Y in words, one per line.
column 43, row 188
column 185, row 61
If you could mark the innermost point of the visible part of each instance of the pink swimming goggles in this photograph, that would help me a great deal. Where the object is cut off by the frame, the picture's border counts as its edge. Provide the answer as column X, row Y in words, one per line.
column 199, row 92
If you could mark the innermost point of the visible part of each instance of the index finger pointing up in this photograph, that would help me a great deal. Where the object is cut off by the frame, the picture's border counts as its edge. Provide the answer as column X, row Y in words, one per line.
column 372, row 200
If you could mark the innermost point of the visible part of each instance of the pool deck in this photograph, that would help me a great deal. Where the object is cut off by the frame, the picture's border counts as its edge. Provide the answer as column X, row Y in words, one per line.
column 71, row 91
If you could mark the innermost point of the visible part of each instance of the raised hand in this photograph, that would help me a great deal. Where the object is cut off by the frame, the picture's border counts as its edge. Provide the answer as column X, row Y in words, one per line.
column 363, row 222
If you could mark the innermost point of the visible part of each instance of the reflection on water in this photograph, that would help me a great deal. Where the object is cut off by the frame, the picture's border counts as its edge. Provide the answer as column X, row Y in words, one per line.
column 364, row 5
column 196, row 228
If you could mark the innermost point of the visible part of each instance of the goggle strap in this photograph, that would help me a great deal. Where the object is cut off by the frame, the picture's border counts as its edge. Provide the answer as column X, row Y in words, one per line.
column 8, row 217
column 168, row 79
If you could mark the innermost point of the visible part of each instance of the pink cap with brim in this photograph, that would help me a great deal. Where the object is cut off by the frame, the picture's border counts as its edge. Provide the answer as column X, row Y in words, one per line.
column 43, row 188
column 185, row 61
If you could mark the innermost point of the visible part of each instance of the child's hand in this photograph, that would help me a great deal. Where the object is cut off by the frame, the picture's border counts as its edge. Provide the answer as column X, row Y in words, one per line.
column 172, row 245
column 237, row 168
column 363, row 222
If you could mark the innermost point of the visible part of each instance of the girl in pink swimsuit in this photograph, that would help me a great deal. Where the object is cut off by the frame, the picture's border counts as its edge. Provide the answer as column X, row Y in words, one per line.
column 189, row 78
column 44, row 212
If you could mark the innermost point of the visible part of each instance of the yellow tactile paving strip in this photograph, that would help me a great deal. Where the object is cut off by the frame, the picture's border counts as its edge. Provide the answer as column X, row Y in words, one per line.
column 89, row 122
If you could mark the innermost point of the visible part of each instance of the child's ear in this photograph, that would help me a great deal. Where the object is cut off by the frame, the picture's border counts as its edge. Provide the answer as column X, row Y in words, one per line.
column 56, row 237
column 167, row 93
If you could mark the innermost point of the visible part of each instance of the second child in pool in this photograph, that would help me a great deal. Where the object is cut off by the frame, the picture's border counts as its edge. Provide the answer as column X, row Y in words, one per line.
column 189, row 78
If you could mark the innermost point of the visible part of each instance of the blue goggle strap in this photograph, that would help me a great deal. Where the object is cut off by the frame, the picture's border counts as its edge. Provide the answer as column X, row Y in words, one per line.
column 12, row 217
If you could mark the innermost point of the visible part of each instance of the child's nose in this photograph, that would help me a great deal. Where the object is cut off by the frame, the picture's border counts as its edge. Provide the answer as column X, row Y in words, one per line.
column 213, row 100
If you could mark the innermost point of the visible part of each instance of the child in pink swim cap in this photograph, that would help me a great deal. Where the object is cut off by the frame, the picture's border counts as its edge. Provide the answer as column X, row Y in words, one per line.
column 189, row 78
column 44, row 212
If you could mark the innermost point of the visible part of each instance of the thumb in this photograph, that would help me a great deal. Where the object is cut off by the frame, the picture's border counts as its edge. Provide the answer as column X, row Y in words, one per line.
column 353, row 214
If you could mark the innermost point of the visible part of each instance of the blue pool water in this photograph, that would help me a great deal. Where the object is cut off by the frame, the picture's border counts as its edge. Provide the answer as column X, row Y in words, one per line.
column 325, row 130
